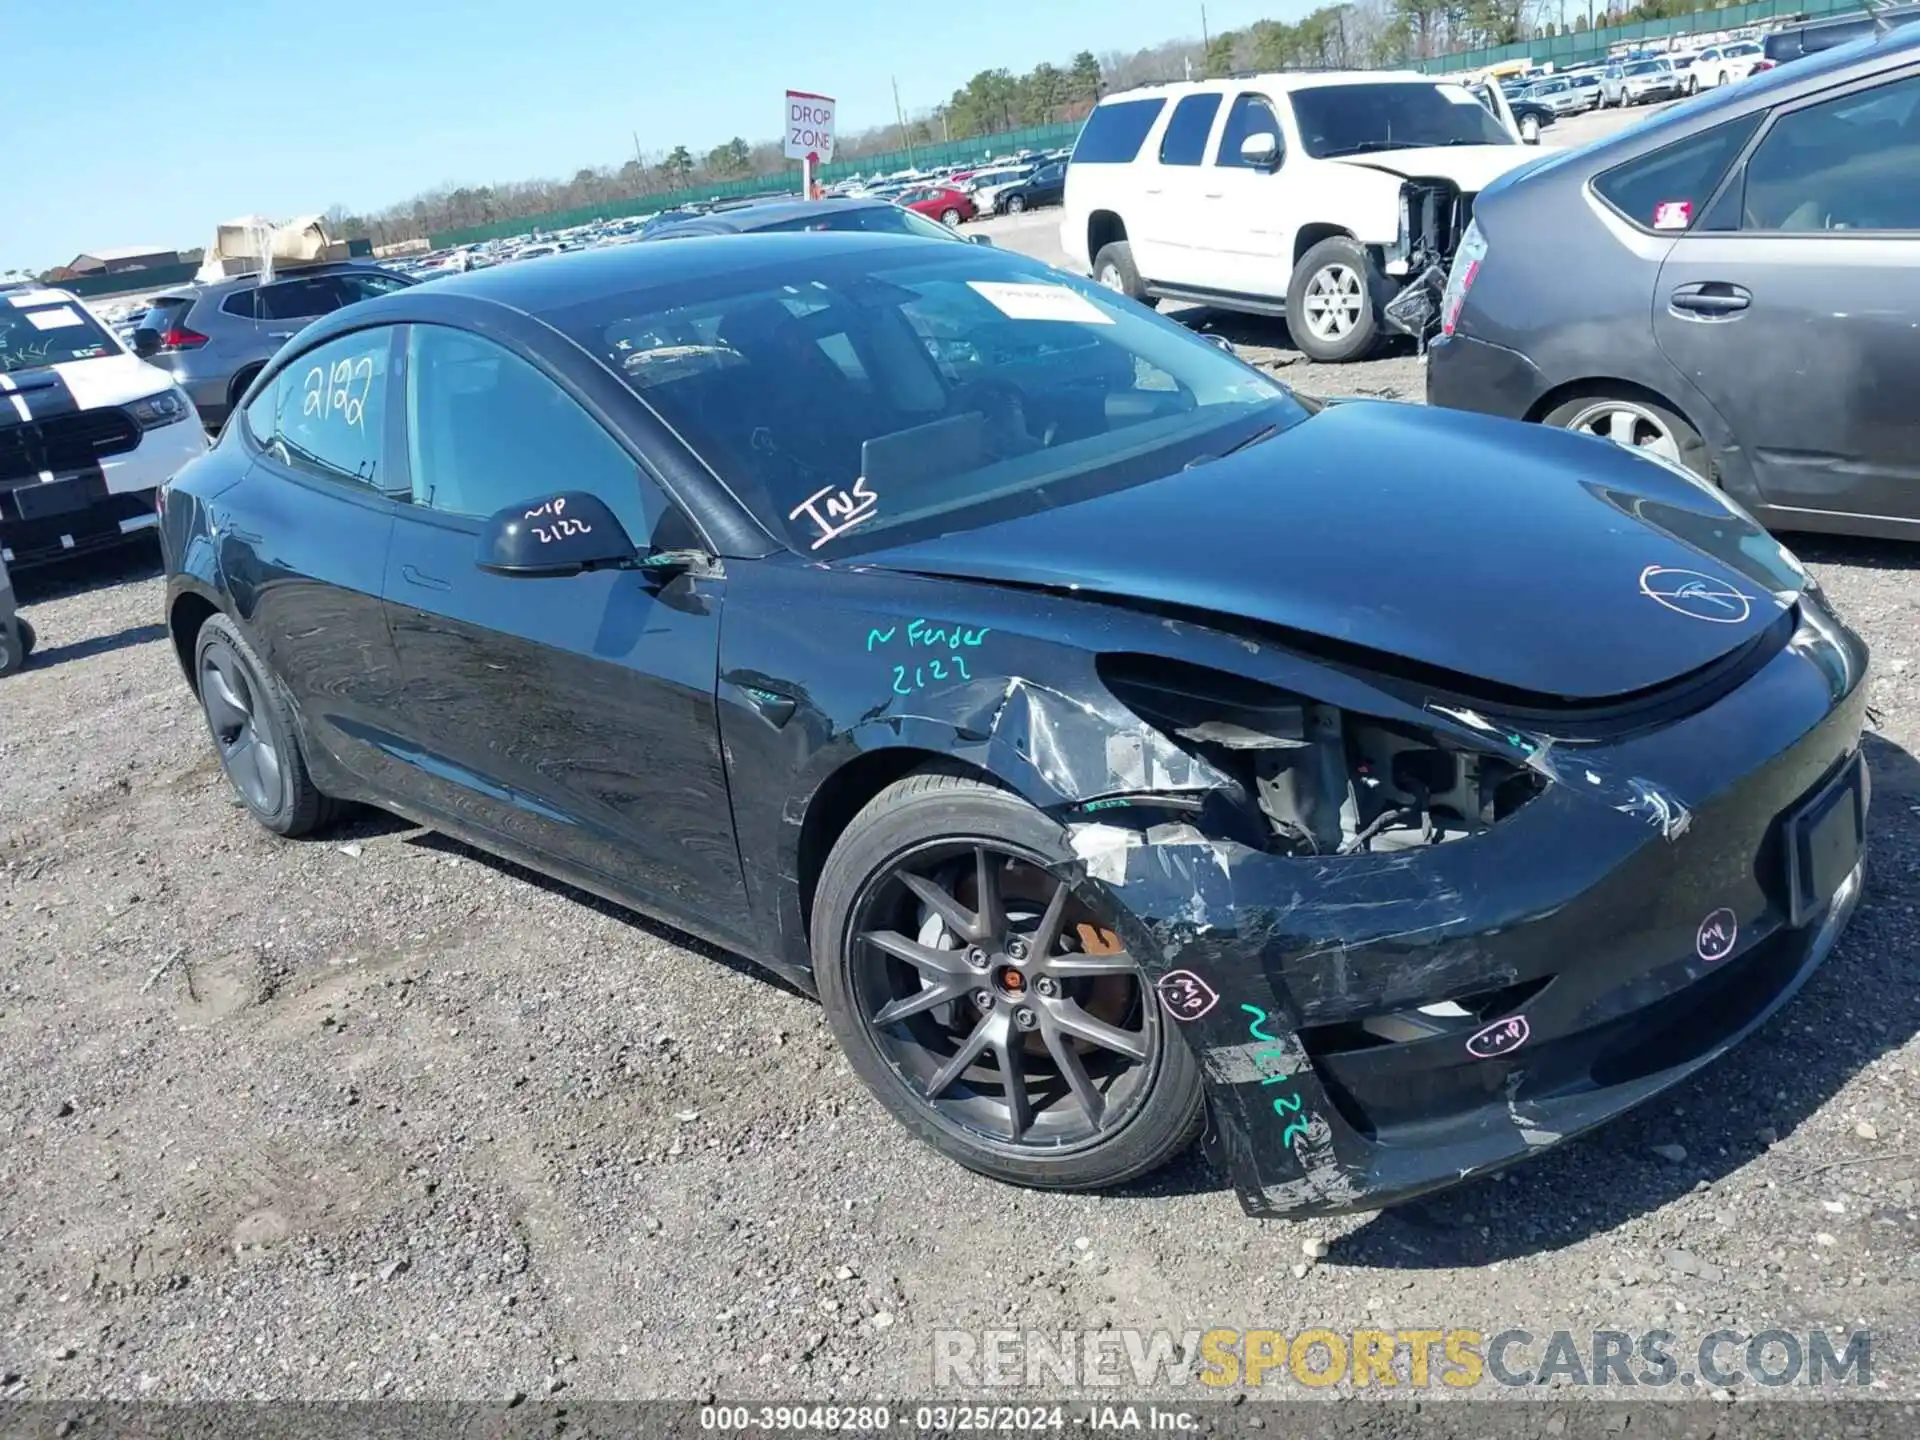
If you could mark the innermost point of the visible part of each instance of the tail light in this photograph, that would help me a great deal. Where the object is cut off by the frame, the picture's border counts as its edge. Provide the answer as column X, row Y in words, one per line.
column 180, row 338
column 1466, row 269
column 1760, row 65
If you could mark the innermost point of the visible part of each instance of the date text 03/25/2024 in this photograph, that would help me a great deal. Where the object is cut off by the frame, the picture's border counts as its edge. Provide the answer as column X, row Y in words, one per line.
column 943, row 1419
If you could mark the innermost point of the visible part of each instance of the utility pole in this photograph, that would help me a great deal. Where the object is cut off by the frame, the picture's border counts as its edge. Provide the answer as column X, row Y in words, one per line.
column 906, row 141
column 1205, row 41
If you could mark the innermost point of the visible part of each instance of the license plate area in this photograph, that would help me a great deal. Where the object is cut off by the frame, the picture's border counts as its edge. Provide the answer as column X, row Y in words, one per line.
column 46, row 499
column 1825, row 838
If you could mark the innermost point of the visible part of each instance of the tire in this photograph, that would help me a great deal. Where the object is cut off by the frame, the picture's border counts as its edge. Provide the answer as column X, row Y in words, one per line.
column 236, row 392
column 1590, row 414
column 1016, row 204
column 1113, row 267
column 950, row 218
column 943, row 817
column 251, row 708
column 1335, row 271
column 16, row 643
column 1530, row 129
column 1693, row 85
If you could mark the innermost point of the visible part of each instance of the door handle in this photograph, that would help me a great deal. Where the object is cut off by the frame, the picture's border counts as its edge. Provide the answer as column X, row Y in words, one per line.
column 423, row 580
column 1710, row 300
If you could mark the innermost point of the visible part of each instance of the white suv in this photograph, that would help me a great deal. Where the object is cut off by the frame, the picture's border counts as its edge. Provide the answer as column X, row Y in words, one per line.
column 1335, row 197
column 87, row 431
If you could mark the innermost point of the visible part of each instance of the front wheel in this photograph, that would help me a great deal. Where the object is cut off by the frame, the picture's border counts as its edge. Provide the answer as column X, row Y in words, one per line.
column 16, row 644
column 985, row 1002
column 1016, row 204
column 1330, row 305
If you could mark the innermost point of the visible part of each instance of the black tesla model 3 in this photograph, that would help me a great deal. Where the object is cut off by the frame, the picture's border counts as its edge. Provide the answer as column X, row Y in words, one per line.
column 1111, row 738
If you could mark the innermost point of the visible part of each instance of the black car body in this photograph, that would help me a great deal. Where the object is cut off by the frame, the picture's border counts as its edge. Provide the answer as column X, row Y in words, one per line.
column 1046, row 186
column 1424, row 864
column 1732, row 282
column 880, row 217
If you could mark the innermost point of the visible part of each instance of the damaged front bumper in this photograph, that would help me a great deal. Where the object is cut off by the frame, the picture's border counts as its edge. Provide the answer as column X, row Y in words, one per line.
column 1374, row 1026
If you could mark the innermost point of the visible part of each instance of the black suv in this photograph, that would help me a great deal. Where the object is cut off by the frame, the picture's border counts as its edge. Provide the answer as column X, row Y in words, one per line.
column 214, row 338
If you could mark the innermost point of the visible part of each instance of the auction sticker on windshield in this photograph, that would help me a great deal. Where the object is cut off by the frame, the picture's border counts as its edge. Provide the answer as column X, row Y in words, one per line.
column 1040, row 302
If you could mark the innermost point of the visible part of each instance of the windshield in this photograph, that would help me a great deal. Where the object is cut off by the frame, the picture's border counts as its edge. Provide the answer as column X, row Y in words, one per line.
column 1389, row 115
column 886, row 219
column 1646, row 67
column 40, row 327
column 851, row 400
column 1745, row 47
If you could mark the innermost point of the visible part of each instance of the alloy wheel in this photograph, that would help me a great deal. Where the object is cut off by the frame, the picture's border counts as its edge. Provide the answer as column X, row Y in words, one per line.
column 1334, row 302
column 1629, row 425
column 950, row 219
column 1016, row 205
column 1000, row 1000
column 1112, row 279
column 242, row 736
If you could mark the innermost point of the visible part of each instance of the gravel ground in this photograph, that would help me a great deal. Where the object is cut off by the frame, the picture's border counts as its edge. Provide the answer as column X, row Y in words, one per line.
column 376, row 1115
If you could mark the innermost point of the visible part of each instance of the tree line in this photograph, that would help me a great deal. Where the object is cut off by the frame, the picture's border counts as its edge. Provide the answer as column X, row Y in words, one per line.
column 1367, row 33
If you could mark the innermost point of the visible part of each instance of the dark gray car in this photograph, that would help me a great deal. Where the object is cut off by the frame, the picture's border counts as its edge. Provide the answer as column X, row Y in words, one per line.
column 214, row 338
column 1733, row 285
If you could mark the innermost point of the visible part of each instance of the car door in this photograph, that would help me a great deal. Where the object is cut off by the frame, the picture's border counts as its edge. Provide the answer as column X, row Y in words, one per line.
column 1794, row 314
column 1247, row 216
column 303, row 545
column 571, row 720
column 1170, row 240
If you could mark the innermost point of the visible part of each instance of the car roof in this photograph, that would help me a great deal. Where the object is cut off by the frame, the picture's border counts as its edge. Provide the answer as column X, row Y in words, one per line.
column 23, row 293
column 562, row 281
column 1278, row 80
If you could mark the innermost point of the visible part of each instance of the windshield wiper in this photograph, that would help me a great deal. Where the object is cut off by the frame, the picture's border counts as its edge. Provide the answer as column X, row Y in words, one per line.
column 1364, row 147
column 1254, row 439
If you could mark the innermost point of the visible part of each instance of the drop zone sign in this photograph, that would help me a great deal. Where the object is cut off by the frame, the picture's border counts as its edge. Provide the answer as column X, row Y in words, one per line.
column 809, row 128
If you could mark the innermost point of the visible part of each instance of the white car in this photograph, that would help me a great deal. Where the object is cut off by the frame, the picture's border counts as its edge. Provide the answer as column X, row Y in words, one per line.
column 88, row 432
column 1723, row 64
column 984, row 185
column 1331, row 197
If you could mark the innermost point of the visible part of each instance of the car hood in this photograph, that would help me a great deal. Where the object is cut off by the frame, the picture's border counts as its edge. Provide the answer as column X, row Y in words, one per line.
column 59, row 389
column 1471, row 167
column 1533, row 561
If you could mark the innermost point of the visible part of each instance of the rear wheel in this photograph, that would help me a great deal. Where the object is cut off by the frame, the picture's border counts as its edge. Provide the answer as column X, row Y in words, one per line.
column 1330, row 309
column 16, row 644
column 1636, row 423
column 985, row 1002
column 1113, row 267
column 253, row 733
column 950, row 218
column 237, row 391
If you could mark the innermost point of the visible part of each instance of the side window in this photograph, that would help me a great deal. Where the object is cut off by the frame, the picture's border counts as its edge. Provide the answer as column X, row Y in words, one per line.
column 364, row 287
column 298, row 299
column 239, row 304
column 326, row 413
column 1665, row 190
column 486, row 430
column 1114, row 133
column 1185, row 142
column 1851, row 163
column 1251, row 115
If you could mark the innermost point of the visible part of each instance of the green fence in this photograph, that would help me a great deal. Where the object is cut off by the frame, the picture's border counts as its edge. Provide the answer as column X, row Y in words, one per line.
column 160, row 277
column 1564, row 50
column 953, row 152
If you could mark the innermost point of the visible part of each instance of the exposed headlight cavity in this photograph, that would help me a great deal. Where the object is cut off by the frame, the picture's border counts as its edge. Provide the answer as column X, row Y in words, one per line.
column 1325, row 781
column 165, row 408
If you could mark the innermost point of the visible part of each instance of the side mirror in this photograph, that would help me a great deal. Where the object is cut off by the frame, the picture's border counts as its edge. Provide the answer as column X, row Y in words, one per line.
column 1260, row 151
column 981, row 239
column 1218, row 341
column 146, row 342
column 562, row 534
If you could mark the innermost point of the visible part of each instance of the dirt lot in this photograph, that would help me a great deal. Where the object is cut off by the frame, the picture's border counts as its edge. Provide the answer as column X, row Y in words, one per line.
column 375, row 1115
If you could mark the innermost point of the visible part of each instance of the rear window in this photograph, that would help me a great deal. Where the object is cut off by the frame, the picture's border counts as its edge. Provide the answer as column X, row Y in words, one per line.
column 1114, row 133
column 1667, row 189
column 165, row 313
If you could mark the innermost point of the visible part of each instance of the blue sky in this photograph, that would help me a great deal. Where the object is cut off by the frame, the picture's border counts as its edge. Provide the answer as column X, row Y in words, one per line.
column 149, row 121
